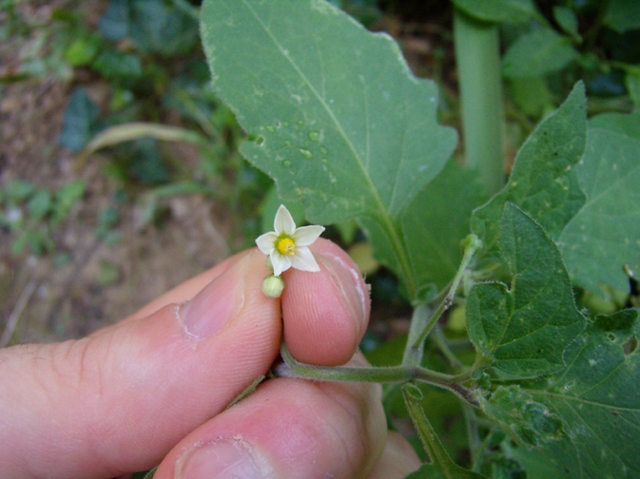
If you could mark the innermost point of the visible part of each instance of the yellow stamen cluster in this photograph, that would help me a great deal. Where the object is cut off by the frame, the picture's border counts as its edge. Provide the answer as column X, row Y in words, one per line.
column 285, row 245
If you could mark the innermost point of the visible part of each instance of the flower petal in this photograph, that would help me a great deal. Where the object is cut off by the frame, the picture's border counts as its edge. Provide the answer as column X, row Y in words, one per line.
column 306, row 235
column 280, row 262
column 284, row 221
column 304, row 260
column 266, row 242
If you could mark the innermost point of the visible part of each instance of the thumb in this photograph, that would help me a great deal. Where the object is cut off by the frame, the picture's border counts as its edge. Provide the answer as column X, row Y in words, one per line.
column 117, row 401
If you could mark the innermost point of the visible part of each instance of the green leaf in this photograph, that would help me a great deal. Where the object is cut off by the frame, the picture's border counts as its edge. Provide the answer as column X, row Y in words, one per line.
column 161, row 27
column 632, row 82
column 542, row 182
column 498, row 11
column 567, row 20
column 605, row 234
column 154, row 25
column 526, row 328
column 623, row 15
column 40, row 204
column 80, row 121
column 537, row 53
column 338, row 119
column 597, row 400
column 532, row 95
column 117, row 65
column 437, row 220
column 65, row 198
column 528, row 420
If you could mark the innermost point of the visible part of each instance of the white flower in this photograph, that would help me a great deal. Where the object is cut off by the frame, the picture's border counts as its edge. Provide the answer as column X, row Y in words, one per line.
column 288, row 246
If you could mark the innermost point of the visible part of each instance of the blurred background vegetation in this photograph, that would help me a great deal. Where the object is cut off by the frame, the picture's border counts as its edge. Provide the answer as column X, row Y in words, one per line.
column 120, row 175
column 119, row 170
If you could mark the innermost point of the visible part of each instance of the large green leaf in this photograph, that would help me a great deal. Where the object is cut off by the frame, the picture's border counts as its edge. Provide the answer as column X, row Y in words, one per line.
column 337, row 118
column 604, row 236
column 623, row 15
column 537, row 53
column 498, row 11
column 596, row 397
column 542, row 182
column 526, row 328
column 437, row 220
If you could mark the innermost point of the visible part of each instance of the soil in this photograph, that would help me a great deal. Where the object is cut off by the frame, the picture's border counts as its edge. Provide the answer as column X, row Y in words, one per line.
column 98, row 282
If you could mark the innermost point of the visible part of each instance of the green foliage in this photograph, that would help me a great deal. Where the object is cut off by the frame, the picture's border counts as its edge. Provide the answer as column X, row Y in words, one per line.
column 341, row 93
column 526, row 328
column 604, row 234
column 538, row 53
column 346, row 131
column 542, row 182
column 31, row 214
column 81, row 121
column 591, row 396
column 498, row 10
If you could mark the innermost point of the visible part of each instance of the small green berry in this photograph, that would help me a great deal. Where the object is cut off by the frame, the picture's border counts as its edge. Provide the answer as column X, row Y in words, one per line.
column 272, row 286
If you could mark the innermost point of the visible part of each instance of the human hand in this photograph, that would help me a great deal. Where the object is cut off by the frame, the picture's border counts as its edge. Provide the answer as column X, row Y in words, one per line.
column 154, row 387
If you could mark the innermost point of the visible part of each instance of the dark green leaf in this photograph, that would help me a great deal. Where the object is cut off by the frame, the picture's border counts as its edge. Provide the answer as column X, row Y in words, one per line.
column 531, row 422
column 437, row 220
column 525, row 329
column 498, row 11
column 80, row 121
column 160, row 27
column 338, row 119
column 542, row 182
column 597, row 399
column 118, row 65
column 605, row 234
column 114, row 24
column 623, row 15
column 538, row 53
column 567, row 20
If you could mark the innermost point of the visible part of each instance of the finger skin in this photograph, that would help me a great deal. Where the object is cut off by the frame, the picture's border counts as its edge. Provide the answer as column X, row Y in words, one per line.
column 117, row 401
column 398, row 459
column 324, row 332
column 294, row 428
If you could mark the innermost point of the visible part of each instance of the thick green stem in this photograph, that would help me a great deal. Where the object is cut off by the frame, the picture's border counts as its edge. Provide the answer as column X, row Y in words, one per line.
column 478, row 65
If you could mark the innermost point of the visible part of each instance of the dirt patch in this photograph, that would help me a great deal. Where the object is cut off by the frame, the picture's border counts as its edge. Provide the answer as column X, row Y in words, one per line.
column 88, row 283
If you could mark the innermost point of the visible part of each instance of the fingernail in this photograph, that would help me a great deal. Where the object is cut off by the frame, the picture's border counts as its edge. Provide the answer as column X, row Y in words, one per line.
column 350, row 282
column 224, row 459
column 217, row 304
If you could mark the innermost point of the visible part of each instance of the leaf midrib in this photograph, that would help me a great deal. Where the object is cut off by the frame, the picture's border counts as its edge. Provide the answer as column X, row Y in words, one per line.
column 387, row 221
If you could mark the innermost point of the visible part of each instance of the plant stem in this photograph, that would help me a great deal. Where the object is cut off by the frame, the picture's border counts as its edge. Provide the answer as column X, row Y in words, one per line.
column 478, row 64
column 394, row 374
column 419, row 319
column 441, row 341
column 430, row 439
column 415, row 347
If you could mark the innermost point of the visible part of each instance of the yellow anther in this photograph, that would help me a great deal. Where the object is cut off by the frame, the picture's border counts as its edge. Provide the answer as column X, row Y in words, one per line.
column 286, row 246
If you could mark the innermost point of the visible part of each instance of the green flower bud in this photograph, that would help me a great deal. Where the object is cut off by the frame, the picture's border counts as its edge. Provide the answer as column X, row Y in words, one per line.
column 269, row 263
column 272, row 286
